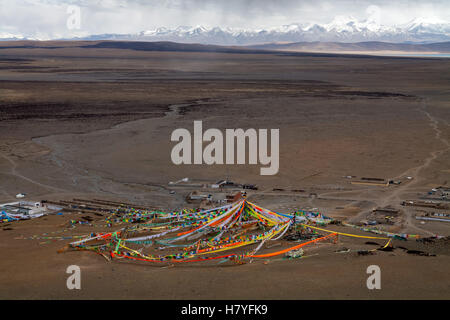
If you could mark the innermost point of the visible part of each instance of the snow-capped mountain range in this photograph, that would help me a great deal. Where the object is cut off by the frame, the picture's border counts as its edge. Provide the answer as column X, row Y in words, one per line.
column 341, row 29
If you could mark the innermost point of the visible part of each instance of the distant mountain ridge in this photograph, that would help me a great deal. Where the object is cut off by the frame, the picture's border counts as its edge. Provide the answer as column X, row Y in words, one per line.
column 332, row 49
column 341, row 29
column 358, row 47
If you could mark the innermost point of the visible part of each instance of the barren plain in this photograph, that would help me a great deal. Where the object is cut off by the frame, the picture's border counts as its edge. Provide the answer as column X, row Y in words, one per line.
column 81, row 121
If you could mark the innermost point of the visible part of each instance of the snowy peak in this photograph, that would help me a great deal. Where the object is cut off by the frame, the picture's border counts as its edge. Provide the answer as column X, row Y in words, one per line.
column 421, row 25
column 342, row 24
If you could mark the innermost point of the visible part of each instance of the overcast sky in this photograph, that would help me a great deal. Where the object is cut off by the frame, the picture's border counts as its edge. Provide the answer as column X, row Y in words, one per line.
column 48, row 18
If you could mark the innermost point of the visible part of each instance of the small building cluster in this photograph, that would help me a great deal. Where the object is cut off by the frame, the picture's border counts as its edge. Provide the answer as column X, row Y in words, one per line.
column 21, row 210
column 214, row 198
